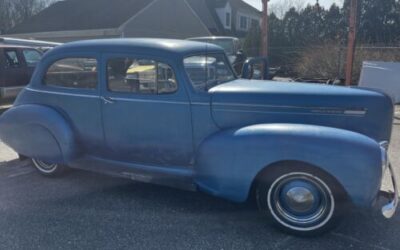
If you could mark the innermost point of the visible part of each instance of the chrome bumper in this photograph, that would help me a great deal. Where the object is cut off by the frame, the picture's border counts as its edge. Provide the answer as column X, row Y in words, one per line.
column 389, row 210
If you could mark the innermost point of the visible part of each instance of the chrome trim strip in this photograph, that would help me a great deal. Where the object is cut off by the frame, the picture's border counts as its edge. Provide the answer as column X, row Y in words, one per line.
column 148, row 101
column 201, row 103
column 313, row 109
column 277, row 112
column 98, row 97
column 265, row 106
column 355, row 112
column 61, row 93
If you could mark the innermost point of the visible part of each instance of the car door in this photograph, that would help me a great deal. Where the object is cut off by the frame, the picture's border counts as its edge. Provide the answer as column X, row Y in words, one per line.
column 70, row 84
column 146, row 112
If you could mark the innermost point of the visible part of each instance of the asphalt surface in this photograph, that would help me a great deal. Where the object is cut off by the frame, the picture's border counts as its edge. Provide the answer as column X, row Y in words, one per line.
column 91, row 211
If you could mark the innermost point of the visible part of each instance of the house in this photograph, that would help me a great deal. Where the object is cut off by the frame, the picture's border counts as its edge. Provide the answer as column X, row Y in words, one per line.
column 71, row 20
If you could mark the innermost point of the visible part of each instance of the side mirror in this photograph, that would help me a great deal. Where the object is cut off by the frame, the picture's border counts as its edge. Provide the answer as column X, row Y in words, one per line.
column 256, row 68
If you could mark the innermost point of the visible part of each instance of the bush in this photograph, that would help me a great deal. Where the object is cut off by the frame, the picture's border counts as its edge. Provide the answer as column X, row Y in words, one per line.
column 329, row 61
column 320, row 62
column 252, row 42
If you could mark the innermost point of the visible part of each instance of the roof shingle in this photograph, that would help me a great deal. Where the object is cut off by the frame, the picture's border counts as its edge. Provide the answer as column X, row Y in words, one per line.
column 82, row 15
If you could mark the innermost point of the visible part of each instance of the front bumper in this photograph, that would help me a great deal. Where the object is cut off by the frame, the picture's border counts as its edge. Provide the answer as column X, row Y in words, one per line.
column 389, row 210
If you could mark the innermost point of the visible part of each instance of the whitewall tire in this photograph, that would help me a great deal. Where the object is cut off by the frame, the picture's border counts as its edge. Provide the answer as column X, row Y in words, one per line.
column 48, row 169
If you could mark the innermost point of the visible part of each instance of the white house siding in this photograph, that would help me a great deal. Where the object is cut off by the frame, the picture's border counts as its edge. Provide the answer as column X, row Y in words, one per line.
column 165, row 19
column 221, row 12
column 249, row 17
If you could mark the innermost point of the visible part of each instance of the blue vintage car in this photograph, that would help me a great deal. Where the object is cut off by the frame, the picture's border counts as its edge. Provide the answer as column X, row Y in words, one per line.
column 174, row 113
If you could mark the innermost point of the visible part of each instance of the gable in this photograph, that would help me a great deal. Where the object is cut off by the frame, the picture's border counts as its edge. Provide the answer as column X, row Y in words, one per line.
column 166, row 19
column 82, row 15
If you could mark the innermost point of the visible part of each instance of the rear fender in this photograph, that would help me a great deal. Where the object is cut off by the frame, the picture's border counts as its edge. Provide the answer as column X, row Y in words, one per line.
column 229, row 162
column 38, row 131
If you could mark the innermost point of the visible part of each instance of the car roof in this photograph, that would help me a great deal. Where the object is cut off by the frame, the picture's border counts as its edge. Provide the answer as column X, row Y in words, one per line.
column 214, row 38
column 142, row 45
column 11, row 46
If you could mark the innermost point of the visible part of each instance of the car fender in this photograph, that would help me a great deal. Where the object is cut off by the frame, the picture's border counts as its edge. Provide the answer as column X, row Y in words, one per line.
column 228, row 162
column 38, row 131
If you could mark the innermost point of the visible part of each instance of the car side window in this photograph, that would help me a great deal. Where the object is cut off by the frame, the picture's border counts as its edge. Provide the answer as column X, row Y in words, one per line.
column 140, row 76
column 32, row 57
column 76, row 73
column 12, row 58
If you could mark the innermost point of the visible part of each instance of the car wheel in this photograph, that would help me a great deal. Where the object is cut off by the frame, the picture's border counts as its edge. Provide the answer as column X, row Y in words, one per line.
column 300, row 200
column 48, row 169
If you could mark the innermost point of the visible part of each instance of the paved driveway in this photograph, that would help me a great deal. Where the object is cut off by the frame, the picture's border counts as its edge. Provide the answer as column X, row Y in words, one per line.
column 91, row 211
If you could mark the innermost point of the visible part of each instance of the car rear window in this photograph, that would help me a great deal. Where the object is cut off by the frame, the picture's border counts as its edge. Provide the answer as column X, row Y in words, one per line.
column 76, row 73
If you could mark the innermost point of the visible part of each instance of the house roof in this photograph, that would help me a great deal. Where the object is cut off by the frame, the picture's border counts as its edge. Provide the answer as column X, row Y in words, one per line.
column 74, row 15
column 236, row 4
column 243, row 6
column 203, row 12
column 82, row 15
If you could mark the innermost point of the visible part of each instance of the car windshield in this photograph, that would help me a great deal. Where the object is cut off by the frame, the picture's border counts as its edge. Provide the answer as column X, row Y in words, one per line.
column 207, row 71
column 227, row 45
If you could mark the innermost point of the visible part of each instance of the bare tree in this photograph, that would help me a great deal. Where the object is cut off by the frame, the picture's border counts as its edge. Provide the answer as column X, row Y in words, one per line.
column 5, row 15
column 13, row 12
column 280, row 7
column 25, row 9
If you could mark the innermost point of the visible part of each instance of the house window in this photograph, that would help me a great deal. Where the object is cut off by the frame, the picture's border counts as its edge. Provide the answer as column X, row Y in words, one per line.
column 228, row 19
column 140, row 76
column 243, row 23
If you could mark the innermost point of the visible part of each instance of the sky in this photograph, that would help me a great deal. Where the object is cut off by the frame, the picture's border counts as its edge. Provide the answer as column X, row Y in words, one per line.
column 326, row 3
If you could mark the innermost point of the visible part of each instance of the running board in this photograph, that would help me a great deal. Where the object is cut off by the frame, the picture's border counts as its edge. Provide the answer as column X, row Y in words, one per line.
column 176, row 177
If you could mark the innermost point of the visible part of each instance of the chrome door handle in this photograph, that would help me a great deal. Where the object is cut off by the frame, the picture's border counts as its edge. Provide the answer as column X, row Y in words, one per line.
column 108, row 100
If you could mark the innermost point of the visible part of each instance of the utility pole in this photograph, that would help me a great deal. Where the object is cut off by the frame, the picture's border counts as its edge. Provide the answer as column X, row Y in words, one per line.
column 264, row 29
column 351, row 41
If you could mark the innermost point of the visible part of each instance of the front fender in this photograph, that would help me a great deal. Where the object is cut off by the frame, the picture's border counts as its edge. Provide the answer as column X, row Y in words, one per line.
column 228, row 162
column 38, row 131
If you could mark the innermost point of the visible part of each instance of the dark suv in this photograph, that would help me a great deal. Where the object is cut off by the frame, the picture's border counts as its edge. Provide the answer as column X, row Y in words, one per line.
column 16, row 68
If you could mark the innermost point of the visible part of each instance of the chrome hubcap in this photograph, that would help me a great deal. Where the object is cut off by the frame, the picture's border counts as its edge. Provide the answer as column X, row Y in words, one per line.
column 301, row 201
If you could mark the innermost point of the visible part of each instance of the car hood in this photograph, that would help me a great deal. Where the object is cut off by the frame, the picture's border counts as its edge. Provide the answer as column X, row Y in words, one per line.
column 246, row 102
